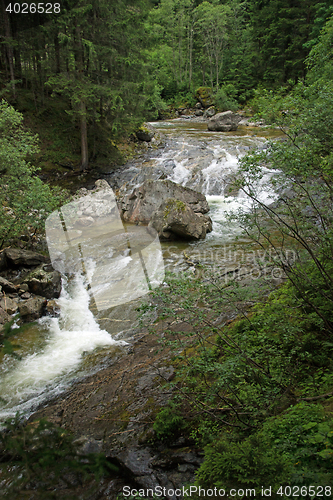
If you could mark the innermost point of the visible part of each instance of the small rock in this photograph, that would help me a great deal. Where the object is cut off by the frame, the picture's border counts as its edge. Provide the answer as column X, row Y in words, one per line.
column 24, row 287
column 52, row 307
column 26, row 296
column 4, row 317
column 7, row 286
column 209, row 112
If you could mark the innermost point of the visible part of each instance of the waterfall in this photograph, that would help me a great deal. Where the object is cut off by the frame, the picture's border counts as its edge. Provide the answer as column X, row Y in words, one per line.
column 27, row 382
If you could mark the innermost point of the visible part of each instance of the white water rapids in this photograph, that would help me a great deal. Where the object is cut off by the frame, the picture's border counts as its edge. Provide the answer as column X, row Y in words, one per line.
column 53, row 353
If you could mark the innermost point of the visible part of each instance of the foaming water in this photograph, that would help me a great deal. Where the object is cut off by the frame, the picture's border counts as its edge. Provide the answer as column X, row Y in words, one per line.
column 38, row 376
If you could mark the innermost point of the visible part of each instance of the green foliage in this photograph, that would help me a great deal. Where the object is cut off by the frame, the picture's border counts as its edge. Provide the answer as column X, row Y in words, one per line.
column 25, row 201
column 224, row 101
column 250, row 463
column 40, row 457
column 169, row 423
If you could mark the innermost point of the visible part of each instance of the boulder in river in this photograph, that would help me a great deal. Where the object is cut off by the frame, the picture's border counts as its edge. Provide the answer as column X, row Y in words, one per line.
column 138, row 206
column 45, row 282
column 175, row 219
column 145, row 133
column 224, row 122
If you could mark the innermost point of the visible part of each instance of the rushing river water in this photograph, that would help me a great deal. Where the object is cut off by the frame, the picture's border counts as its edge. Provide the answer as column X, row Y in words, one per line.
column 59, row 350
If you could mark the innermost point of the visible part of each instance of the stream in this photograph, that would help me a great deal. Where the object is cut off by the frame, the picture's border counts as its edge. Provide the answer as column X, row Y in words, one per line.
column 58, row 351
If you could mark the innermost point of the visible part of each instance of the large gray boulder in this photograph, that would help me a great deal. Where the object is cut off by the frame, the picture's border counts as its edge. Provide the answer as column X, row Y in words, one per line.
column 44, row 281
column 138, row 206
column 224, row 122
column 175, row 219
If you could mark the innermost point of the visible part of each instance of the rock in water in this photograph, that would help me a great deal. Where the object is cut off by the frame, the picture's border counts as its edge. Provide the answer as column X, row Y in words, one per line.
column 175, row 219
column 145, row 133
column 224, row 122
column 146, row 199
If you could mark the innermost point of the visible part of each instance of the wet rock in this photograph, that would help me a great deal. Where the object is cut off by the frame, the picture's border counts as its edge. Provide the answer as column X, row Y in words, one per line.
column 44, row 283
column 174, row 219
column 139, row 205
column 209, row 112
column 145, row 133
column 224, row 122
column 32, row 309
column 8, row 305
column 17, row 257
column 52, row 307
column 198, row 112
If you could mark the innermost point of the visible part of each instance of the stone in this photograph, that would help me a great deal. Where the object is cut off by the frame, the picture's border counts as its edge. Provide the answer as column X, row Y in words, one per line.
column 26, row 295
column 52, row 307
column 17, row 257
column 174, row 219
column 84, row 221
column 198, row 105
column 8, row 305
column 139, row 205
column 7, row 286
column 44, row 283
column 32, row 309
column 3, row 263
column 224, row 122
column 145, row 133
column 209, row 112
column 198, row 112
column 24, row 287
column 4, row 317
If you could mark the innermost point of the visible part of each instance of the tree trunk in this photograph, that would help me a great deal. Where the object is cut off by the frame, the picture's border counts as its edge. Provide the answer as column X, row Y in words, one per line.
column 84, row 136
column 9, row 48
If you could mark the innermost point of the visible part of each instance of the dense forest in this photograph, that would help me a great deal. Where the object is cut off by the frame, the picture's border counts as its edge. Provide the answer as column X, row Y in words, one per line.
column 255, row 393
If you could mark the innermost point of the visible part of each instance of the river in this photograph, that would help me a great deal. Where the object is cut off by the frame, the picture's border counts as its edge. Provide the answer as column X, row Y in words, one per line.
column 58, row 351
